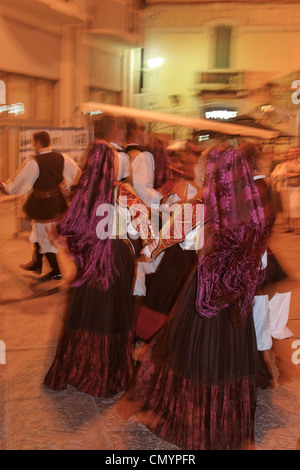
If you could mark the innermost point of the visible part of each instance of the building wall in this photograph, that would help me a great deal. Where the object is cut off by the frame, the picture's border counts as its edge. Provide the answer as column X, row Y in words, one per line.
column 265, row 38
column 29, row 50
column 54, row 57
column 274, row 51
column 183, row 54
column 105, row 69
column 77, row 61
column 53, row 67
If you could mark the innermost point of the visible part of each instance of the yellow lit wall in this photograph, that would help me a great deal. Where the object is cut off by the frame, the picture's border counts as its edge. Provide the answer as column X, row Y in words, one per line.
column 183, row 53
column 265, row 39
column 273, row 51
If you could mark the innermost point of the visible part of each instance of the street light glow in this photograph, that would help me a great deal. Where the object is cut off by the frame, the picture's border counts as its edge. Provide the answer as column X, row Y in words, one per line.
column 155, row 62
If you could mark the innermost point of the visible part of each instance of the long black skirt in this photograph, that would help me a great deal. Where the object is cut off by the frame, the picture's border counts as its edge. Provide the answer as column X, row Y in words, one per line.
column 94, row 354
column 195, row 385
column 274, row 271
column 163, row 290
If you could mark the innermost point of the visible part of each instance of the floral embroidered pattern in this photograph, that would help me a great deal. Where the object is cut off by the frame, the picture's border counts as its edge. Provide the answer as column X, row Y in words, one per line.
column 230, row 268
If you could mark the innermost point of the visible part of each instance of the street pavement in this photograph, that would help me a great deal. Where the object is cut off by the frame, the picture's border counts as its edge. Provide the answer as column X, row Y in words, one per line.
column 31, row 318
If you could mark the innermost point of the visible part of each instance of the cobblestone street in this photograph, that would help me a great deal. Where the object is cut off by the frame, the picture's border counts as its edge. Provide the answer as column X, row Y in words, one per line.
column 31, row 316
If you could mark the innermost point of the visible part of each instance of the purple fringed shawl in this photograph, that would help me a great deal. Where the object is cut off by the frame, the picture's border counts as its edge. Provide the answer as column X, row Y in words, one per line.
column 93, row 256
column 229, row 269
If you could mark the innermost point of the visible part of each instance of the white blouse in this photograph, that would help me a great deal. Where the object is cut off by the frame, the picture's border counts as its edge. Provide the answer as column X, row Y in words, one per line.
column 28, row 173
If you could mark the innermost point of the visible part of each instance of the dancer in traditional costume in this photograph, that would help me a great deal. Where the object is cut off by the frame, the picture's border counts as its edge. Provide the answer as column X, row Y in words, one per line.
column 94, row 354
column 148, row 171
column 44, row 175
column 178, row 260
column 195, row 386
column 270, row 315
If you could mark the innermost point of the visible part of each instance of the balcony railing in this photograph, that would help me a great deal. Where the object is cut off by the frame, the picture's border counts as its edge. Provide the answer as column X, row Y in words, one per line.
column 220, row 80
column 230, row 81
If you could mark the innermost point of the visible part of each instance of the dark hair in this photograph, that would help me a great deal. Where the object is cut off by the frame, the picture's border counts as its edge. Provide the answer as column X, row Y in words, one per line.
column 42, row 137
column 131, row 126
column 104, row 125
column 121, row 122
column 250, row 151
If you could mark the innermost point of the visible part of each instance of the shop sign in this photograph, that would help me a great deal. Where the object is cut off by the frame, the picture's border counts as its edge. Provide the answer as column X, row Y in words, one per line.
column 16, row 109
column 221, row 114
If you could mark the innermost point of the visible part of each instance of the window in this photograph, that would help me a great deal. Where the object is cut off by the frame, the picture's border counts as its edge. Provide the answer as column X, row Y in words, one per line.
column 2, row 92
column 26, row 98
column 223, row 46
column 138, row 64
column 104, row 96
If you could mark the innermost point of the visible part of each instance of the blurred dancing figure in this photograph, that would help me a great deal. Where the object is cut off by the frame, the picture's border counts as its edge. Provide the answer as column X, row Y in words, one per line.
column 44, row 175
column 270, row 315
column 94, row 354
column 293, row 187
column 142, row 164
column 195, row 386
column 143, row 172
column 178, row 260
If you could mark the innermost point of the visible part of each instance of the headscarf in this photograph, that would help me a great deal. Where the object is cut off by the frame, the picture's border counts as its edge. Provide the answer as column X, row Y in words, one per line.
column 229, row 269
column 93, row 256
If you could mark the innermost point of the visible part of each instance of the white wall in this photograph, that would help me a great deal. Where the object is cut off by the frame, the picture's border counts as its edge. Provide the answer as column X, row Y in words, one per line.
column 183, row 53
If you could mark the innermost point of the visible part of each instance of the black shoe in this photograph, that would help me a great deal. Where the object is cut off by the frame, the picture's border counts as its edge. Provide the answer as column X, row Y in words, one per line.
column 33, row 267
column 52, row 276
column 55, row 274
column 36, row 264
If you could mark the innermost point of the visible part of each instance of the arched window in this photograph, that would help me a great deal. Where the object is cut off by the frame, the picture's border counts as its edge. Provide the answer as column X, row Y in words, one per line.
column 2, row 353
column 223, row 46
column 2, row 92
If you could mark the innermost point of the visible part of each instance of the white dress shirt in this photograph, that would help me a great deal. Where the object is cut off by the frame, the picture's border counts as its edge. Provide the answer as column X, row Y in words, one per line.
column 23, row 182
column 143, row 168
column 27, row 175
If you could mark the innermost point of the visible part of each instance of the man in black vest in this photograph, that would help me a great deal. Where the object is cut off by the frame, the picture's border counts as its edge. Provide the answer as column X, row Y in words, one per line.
column 44, row 174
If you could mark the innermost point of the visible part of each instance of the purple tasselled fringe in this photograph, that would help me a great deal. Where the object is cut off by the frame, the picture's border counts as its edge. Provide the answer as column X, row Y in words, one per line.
column 93, row 256
column 230, row 273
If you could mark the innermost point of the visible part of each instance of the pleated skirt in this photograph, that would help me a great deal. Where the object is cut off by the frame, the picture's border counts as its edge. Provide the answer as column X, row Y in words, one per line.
column 163, row 290
column 94, row 353
column 195, row 384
